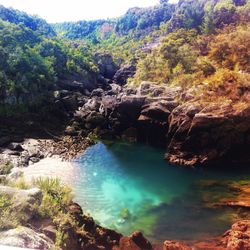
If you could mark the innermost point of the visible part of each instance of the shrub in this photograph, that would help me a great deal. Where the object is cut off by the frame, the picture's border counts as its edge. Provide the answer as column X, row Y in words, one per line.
column 5, row 168
column 20, row 183
column 8, row 218
column 55, row 197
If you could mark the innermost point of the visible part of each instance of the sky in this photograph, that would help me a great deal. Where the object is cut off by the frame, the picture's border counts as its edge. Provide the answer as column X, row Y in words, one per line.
column 74, row 10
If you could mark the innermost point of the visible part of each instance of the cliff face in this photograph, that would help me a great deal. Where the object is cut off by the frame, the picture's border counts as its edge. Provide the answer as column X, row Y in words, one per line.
column 209, row 135
column 193, row 132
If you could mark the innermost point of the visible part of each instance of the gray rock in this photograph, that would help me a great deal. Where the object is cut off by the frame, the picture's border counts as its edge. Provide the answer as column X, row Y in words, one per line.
column 106, row 65
column 25, row 238
column 125, row 72
column 34, row 159
column 23, row 200
column 15, row 174
column 97, row 92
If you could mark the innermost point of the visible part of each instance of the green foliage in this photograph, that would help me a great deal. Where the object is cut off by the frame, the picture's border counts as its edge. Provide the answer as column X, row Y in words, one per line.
column 31, row 62
column 8, row 218
column 20, row 183
column 90, row 30
column 56, row 197
column 5, row 168
column 32, row 22
column 139, row 19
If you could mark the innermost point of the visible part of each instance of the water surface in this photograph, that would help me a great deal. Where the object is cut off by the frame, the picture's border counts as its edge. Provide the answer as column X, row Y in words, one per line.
column 130, row 187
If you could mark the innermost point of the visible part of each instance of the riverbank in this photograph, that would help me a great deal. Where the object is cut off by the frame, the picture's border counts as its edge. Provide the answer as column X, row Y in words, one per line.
column 53, row 165
column 133, row 114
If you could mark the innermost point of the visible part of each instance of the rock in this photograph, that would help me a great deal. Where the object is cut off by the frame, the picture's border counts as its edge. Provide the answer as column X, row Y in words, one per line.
column 76, row 212
column 107, row 105
column 130, row 134
column 212, row 135
column 83, row 83
column 3, row 178
column 155, row 90
column 125, row 72
column 130, row 106
column 156, row 111
column 136, row 241
column 70, row 103
column 25, row 238
column 97, row 92
column 115, row 89
column 23, row 200
column 15, row 174
column 238, row 237
column 130, row 91
column 34, row 159
column 15, row 147
column 153, row 123
column 85, row 234
column 174, row 245
column 70, row 130
column 126, row 112
column 106, row 65
column 146, row 88
column 50, row 231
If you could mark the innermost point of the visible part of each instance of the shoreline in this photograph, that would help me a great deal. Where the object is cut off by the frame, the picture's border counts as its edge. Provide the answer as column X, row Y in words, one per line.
column 53, row 164
column 51, row 167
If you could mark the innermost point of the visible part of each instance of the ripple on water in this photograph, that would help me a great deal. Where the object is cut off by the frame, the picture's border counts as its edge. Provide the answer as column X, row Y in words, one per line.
column 130, row 187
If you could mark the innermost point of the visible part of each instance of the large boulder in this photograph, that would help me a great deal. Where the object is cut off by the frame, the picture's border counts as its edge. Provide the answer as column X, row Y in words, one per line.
column 24, row 237
column 174, row 245
column 106, row 65
column 209, row 135
column 23, row 200
column 125, row 72
column 136, row 241
column 238, row 237
column 152, row 123
column 126, row 112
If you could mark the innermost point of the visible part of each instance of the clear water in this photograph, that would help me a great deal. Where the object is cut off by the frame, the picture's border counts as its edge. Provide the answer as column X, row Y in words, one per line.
column 130, row 187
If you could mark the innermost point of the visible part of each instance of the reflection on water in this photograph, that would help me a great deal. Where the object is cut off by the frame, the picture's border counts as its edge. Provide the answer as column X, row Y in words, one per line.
column 130, row 187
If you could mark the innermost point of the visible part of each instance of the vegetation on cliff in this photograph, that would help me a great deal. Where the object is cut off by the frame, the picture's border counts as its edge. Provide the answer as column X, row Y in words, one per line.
column 33, row 58
column 188, row 44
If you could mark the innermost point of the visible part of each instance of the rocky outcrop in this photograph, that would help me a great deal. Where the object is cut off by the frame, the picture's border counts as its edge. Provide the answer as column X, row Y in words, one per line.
column 193, row 132
column 208, row 135
column 24, row 201
column 125, row 72
column 136, row 241
column 24, row 237
column 153, row 123
column 106, row 65
column 238, row 237
column 174, row 245
column 86, row 234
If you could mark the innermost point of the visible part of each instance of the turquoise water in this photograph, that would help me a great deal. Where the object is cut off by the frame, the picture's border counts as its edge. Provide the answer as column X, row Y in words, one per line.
column 130, row 187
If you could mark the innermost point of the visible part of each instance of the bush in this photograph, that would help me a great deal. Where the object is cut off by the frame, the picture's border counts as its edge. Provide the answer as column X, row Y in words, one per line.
column 55, row 197
column 5, row 168
column 8, row 218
